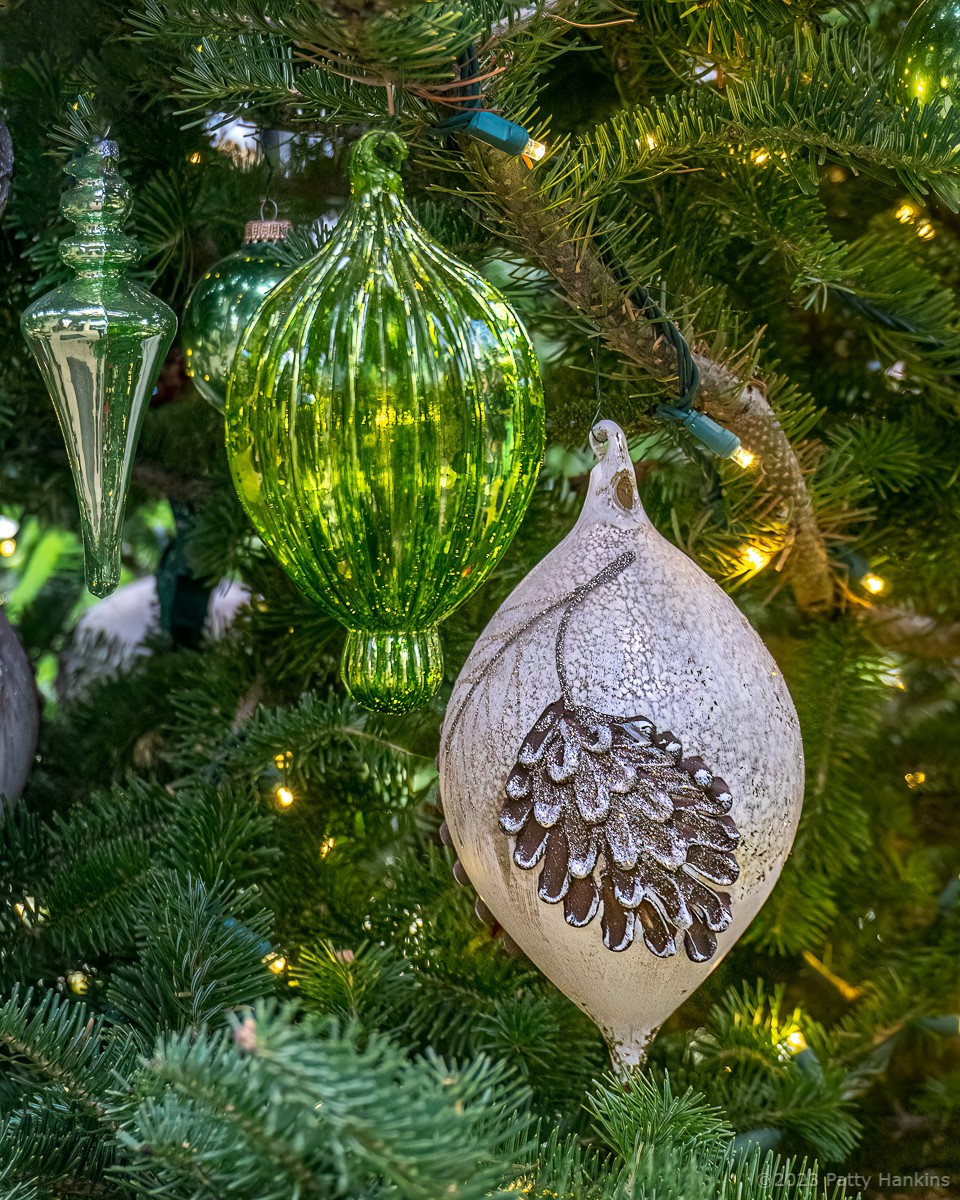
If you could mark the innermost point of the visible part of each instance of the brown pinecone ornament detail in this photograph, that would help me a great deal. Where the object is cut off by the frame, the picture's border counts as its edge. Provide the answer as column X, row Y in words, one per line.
column 616, row 818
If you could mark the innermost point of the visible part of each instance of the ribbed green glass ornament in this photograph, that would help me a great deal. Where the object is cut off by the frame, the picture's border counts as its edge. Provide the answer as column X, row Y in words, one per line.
column 100, row 342
column 928, row 57
column 385, row 427
column 223, row 303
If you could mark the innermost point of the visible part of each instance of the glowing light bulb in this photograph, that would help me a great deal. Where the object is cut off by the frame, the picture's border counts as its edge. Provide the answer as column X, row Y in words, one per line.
column 284, row 796
column 874, row 584
column 795, row 1041
column 915, row 778
column 755, row 558
column 194, row 157
column 925, row 231
column 905, row 213
column 760, row 157
column 743, row 457
column 651, row 142
column 534, row 150
column 283, row 760
column 326, row 846
column 78, row 982
column 278, row 965
column 8, row 547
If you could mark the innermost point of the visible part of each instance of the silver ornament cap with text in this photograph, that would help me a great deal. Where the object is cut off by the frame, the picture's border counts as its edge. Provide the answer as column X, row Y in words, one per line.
column 621, row 768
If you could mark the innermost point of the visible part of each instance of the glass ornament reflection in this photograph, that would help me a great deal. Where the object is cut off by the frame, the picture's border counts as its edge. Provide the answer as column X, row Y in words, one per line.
column 100, row 341
column 928, row 57
column 223, row 304
column 385, row 427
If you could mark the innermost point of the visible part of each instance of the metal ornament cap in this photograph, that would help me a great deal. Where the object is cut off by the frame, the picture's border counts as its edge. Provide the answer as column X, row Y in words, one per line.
column 621, row 764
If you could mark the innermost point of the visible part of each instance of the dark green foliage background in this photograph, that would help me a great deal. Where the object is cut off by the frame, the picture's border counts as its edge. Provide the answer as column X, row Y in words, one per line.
column 402, row 1052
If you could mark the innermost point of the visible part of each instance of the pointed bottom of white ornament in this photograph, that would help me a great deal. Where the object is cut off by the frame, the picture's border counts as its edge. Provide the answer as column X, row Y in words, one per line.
column 630, row 1050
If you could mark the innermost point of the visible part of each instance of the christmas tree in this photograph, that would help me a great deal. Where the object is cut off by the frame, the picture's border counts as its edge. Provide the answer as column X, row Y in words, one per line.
column 234, row 958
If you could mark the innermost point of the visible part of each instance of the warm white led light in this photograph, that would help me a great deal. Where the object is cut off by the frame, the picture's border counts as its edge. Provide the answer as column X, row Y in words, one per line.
column 755, row 558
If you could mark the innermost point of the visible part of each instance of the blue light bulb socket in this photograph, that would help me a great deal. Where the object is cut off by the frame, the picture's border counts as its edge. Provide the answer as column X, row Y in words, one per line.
column 498, row 131
column 708, row 432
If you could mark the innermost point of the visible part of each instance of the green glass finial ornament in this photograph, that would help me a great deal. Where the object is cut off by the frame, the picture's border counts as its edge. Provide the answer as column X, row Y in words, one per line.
column 100, row 342
column 928, row 57
column 385, row 427
column 223, row 302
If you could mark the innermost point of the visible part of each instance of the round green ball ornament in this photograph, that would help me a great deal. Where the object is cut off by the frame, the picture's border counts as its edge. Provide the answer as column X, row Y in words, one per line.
column 385, row 426
column 928, row 57
column 223, row 303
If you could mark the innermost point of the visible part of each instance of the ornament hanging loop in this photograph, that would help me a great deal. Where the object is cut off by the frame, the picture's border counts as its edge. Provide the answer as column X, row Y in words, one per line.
column 375, row 163
column 613, row 479
column 599, row 441
column 268, row 229
column 606, row 437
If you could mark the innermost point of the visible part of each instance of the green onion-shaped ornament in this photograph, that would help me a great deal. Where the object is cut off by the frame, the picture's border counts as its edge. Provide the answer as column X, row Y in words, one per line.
column 385, row 427
column 100, row 342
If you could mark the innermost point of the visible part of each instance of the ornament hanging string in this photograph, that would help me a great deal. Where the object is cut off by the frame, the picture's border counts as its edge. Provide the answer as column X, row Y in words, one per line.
column 596, row 380
column 709, row 433
column 476, row 121
column 495, row 130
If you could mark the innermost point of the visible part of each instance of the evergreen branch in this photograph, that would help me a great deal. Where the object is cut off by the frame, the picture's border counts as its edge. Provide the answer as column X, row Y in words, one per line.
column 195, row 960
column 60, row 1045
column 808, row 106
column 761, row 1065
column 543, row 230
column 324, row 730
column 641, row 1115
column 48, row 1146
column 840, row 686
column 342, row 1120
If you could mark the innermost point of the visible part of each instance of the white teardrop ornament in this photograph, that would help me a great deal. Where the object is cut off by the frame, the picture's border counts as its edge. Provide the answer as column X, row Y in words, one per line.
column 621, row 769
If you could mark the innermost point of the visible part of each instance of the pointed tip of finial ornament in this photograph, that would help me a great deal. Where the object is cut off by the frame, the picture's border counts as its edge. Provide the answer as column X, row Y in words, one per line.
column 102, row 577
column 628, row 1050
